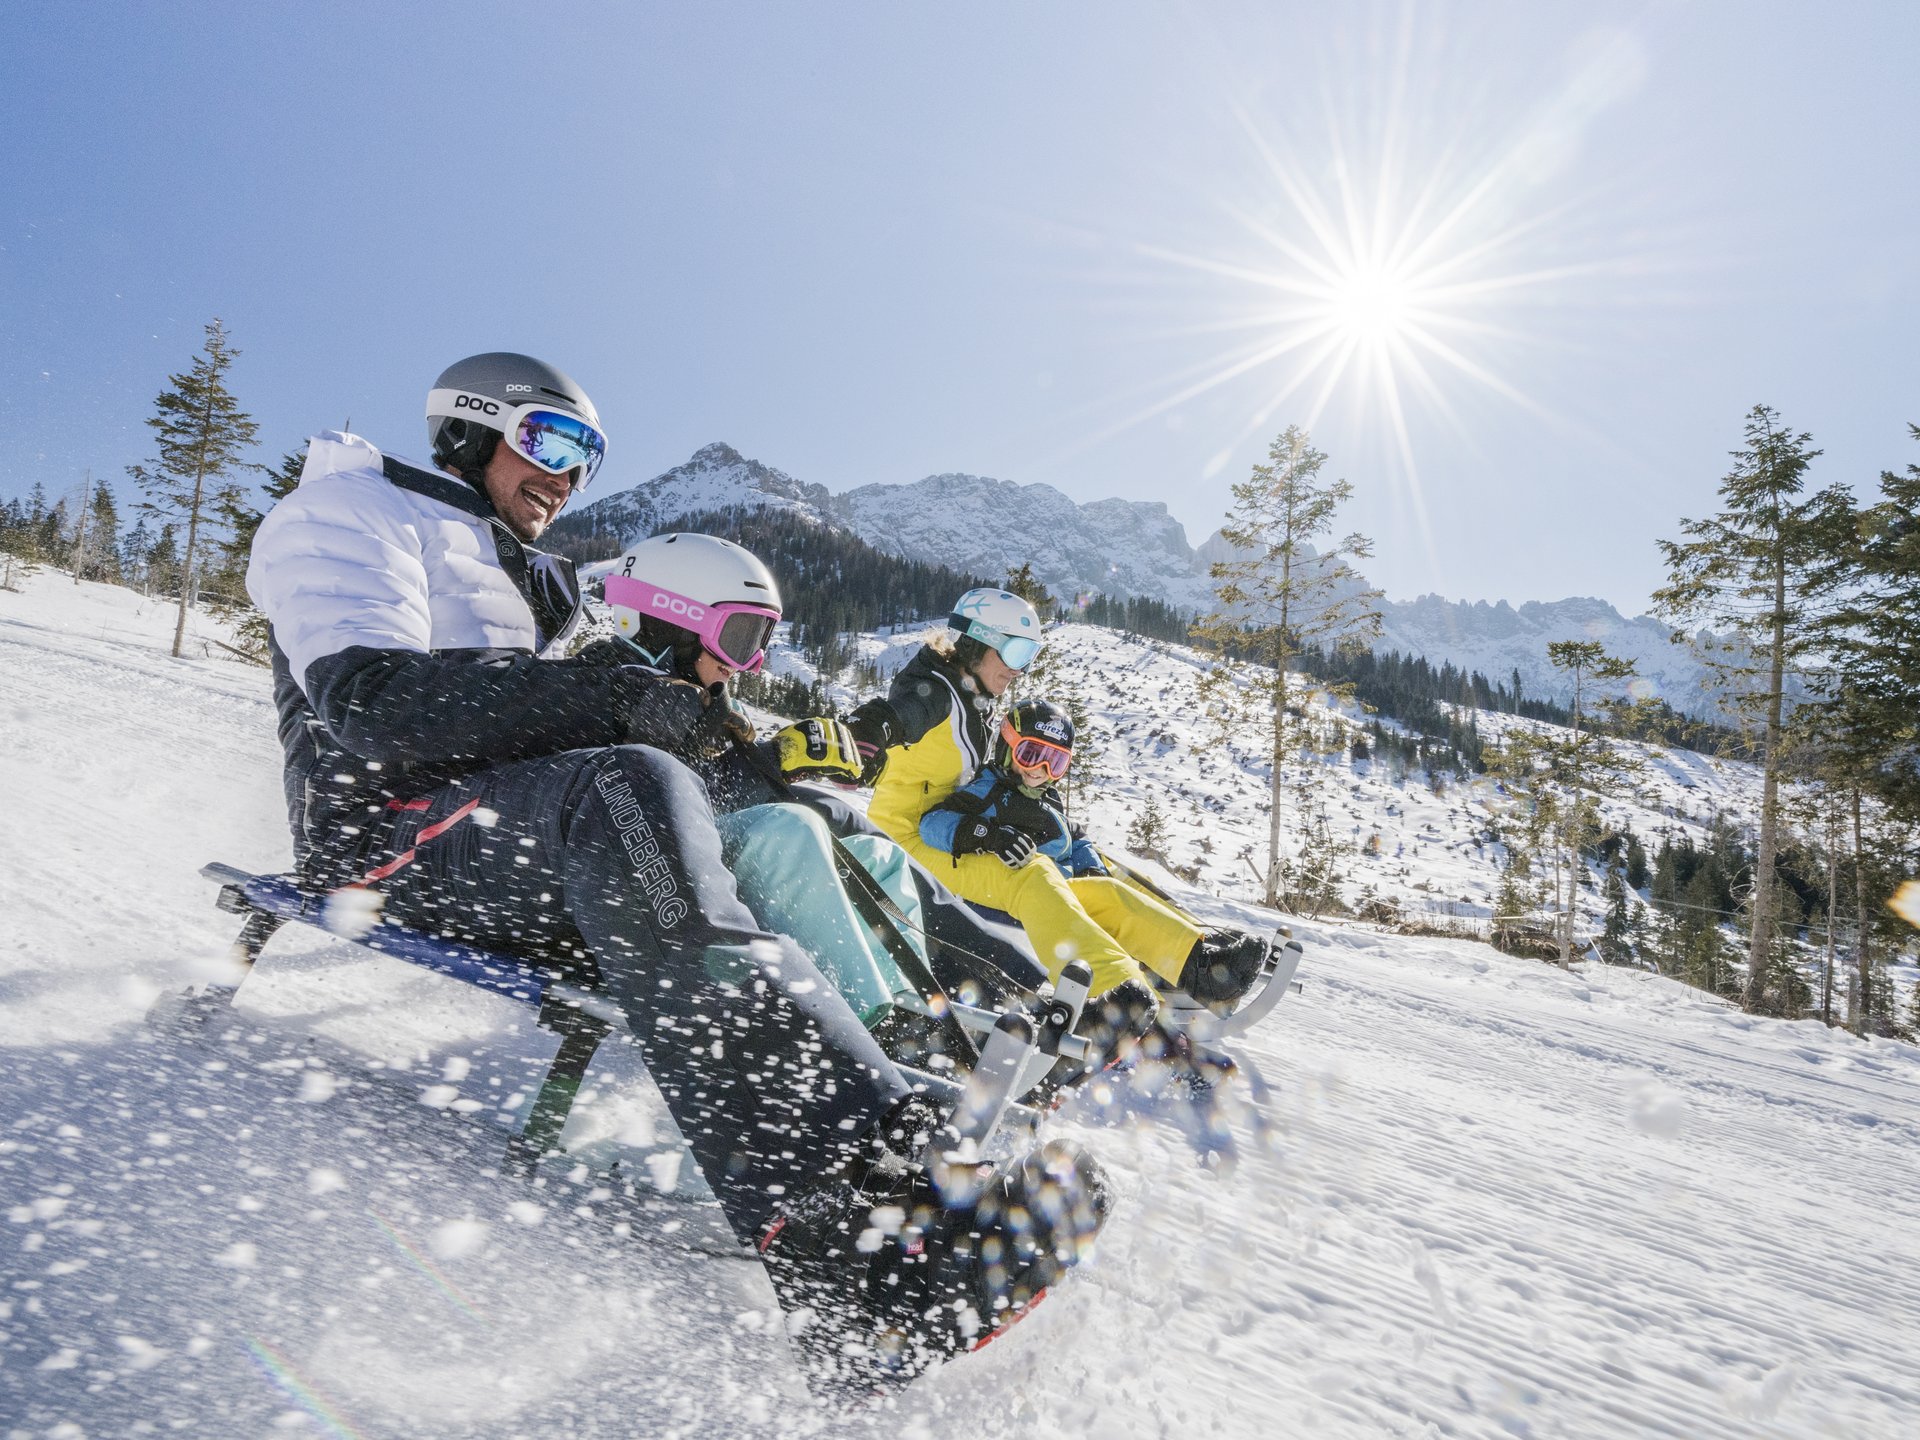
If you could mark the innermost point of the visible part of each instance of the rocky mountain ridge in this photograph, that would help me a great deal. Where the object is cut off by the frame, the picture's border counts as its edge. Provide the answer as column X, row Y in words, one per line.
column 985, row 526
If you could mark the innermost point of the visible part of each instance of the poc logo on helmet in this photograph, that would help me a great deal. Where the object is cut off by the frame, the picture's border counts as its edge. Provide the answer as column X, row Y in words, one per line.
column 476, row 402
column 519, row 389
column 674, row 605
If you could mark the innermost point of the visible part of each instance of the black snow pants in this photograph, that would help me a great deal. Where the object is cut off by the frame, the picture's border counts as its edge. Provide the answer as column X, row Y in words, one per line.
column 771, row 1078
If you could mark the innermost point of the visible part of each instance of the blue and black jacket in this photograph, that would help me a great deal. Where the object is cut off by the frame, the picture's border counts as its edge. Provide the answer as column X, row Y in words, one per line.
column 998, row 798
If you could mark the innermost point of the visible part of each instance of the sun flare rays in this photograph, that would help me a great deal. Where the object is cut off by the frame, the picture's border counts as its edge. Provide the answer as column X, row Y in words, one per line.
column 1395, row 261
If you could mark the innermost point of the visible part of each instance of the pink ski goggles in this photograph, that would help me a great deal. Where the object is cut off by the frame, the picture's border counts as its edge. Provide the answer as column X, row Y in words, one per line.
column 736, row 632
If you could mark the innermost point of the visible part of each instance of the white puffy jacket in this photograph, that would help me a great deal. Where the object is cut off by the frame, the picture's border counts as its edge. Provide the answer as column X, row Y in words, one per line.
column 350, row 558
column 404, row 654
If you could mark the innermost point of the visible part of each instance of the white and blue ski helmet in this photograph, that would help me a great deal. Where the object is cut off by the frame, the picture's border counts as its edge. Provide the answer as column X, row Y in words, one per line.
column 1001, row 621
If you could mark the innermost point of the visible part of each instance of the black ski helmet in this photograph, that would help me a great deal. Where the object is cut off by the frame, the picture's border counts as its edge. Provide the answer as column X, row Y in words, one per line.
column 1036, row 720
column 463, row 407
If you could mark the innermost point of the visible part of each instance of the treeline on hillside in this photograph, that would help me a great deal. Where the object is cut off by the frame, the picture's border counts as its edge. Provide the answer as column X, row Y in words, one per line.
column 1697, row 891
column 1138, row 615
column 1416, row 692
column 82, row 534
column 831, row 583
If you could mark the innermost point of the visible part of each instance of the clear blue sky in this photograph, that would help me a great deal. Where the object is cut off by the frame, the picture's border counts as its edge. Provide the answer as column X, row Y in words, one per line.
column 1070, row 243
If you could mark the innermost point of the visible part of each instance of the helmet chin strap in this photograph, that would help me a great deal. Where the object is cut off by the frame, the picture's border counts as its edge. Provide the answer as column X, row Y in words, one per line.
column 475, row 474
column 468, row 458
column 661, row 660
column 672, row 658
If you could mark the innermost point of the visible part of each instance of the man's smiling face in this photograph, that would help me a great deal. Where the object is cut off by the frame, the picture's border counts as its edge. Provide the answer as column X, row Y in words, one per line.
column 525, row 496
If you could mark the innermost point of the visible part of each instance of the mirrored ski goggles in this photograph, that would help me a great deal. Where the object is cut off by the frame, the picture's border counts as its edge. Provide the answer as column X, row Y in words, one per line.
column 1017, row 651
column 552, row 439
column 558, row 443
column 736, row 632
column 1032, row 753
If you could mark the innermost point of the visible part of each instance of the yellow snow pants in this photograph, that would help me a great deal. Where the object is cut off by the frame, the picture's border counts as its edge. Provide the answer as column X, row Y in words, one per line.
column 1113, row 926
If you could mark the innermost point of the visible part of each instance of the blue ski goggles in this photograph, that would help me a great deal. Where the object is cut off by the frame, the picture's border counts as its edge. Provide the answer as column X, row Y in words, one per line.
column 557, row 442
column 552, row 439
column 1016, row 651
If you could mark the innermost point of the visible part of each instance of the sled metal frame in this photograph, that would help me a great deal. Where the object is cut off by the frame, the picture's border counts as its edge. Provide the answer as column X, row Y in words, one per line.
column 1277, row 972
column 1012, row 1061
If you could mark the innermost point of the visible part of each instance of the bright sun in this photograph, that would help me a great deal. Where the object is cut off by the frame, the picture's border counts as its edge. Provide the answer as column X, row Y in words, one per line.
column 1370, row 306
column 1392, row 250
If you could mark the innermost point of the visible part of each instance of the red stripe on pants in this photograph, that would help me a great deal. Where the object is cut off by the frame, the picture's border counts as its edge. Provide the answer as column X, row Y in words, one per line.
column 432, row 831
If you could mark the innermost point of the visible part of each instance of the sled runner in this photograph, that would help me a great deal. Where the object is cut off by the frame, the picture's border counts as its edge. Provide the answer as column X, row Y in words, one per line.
column 1013, row 1051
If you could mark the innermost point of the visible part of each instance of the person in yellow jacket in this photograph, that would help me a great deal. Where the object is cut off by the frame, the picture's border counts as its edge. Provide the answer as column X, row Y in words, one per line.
column 932, row 735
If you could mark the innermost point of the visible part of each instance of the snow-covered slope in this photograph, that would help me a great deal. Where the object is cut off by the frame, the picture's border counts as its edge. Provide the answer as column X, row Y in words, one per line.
column 1496, row 1200
column 1149, row 726
column 1420, row 845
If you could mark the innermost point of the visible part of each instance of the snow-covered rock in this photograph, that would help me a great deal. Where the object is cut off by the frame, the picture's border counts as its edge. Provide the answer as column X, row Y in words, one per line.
column 717, row 477
column 987, row 526
column 1497, row 639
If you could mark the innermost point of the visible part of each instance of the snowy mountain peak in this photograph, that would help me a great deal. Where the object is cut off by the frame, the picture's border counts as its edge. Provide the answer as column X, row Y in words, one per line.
column 984, row 525
column 1497, row 639
column 715, row 477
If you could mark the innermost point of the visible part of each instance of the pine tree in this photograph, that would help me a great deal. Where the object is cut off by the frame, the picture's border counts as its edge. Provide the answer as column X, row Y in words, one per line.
column 1761, row 572
column 1580, row 765
column 224, row 583
column 1147, row 835
column 226, row 588
column 1087, row 750
column 1023, row 582
column 1636, row 863
column 97, row 550
column 135, row 546
column 1283, row 596
column 1872, row 722
column 1619, row 938
column 19, row 544
column 1511, row 903
column 51, row 537
column 202, row 434
column 164, row 575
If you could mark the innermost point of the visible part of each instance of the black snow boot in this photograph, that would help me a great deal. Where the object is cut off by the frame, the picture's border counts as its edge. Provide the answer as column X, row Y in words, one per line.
column 880, row 1280
column 1114, row 1021
column 1223, row 967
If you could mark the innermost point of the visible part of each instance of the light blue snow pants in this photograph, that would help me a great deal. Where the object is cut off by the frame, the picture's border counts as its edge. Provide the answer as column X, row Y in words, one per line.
column 781, row 856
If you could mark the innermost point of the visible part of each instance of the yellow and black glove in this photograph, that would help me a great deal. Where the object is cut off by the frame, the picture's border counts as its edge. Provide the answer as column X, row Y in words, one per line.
column 821, row 748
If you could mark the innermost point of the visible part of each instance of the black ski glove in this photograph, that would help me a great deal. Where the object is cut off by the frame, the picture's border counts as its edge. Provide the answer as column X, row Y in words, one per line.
column 665, row 712
column 1003, row 842
column 719, row 726
column 876, row 729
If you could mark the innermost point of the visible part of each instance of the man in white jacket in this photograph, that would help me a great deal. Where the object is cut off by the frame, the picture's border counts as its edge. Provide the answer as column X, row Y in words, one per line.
column 534, row 805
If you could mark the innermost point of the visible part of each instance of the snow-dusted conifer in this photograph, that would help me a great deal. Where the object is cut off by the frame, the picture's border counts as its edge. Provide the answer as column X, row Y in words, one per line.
column 1761, row 573
column 201, row 433
column 1280, row 594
